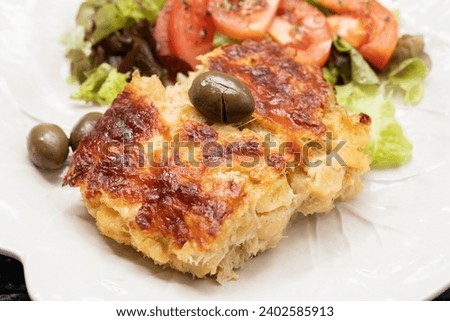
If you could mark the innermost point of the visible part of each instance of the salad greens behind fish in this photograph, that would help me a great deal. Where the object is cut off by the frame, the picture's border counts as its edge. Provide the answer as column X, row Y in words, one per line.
column 111, row 38
column 95, row 21
column 360, row 90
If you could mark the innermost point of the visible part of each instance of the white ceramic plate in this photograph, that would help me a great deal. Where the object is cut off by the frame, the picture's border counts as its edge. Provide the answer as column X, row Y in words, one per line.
column 392, row 242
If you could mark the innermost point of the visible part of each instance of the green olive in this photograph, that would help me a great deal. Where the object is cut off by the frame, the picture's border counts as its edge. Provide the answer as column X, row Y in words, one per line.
column 48, row 146
column 221, row 97
column 84, row 126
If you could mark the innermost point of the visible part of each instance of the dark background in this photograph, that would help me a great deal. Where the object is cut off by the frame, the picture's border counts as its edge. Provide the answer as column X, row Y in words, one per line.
column 12, row 283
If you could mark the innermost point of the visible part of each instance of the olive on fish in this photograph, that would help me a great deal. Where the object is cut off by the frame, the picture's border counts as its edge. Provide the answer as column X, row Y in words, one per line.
column 221, row 97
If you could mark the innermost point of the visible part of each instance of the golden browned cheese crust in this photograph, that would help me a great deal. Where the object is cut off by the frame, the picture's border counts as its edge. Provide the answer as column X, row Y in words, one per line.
column 110, row 160
column 224, row 196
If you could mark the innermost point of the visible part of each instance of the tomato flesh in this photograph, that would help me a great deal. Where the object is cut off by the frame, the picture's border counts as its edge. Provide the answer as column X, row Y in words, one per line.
column 383, row 37
column 161, row 33
column 380, row 23
column 303, row 27
column 243, row 19
column 190, row 30
column 349, row 28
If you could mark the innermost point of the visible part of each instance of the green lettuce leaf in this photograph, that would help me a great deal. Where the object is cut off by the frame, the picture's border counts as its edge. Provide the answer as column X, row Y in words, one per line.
column 111, row 87
column 131, row 9
column 152, row 8
column 341, row 45
column 85, row 15
column 102, row 86
column 139, row 10
column 108, row 19
column 389, row 147
column 330, row 74
column 409, row 76
column 113, row 15
column 361, row 72
column 97, row 19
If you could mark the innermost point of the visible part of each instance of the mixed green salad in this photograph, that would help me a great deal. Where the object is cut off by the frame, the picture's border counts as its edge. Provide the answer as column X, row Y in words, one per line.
column 363, row 58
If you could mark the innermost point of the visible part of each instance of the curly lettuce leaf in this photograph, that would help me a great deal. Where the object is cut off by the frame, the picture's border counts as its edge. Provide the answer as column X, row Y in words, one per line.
column 361, row 72
column 96, row 20
column 85, row 15
column 409, row 77
column 100, row 18
column 140, row 9
column 102, row 86
column 330, row 74
column 107, row 20
column 151, row 8
column 389, row 147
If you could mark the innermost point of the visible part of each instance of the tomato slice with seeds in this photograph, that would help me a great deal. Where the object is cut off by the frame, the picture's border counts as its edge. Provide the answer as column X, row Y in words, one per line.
column 190, row 30
column 303, row 27
column 243, row 19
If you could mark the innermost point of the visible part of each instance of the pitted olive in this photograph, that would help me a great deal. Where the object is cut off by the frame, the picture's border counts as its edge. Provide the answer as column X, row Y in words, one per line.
column 48, row 146
column 84, row 126
column 221, row 97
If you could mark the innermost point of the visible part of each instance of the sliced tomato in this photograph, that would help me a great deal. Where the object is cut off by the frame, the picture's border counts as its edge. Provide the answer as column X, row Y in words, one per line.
column 191, row 30
column 380, row 23
column 243, row 19
column 161, row 33
column 349, row 28
column 383, row 36
column 303, row 27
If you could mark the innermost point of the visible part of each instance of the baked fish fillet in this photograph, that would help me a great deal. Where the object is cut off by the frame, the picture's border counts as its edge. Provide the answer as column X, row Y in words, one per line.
column 203, row 198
